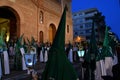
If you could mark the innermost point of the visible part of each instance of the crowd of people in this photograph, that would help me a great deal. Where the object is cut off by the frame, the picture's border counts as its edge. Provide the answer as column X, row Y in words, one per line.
column 42, row 52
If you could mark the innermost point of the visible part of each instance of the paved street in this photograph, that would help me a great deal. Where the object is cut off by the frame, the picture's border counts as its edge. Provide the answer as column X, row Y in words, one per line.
column 39, row 67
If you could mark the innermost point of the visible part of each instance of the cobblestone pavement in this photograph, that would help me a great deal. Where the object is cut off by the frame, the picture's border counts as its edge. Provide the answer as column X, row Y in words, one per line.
column 39, row 67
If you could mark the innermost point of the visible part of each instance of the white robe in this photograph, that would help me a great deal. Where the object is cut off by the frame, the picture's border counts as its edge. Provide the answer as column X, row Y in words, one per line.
column 6, row 63
column 103, row 69
column 70, row 55
column 41, row 56
column 46, row 56
column 0, row 68
column 100, row 70
column 23, row 60
column 108, row 65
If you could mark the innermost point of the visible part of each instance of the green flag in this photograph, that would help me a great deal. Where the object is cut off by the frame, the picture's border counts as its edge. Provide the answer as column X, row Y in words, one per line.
column 106, row 50
column 25, row 45
column 90, row 57
column 58, row 66
column 18, row 55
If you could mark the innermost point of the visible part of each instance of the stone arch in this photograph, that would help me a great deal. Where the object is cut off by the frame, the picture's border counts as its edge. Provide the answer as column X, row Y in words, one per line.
column 14, row 25
column 52, row 32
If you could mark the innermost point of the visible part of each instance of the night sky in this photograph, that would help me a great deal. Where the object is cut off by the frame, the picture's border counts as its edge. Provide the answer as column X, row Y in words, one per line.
column 109, row 8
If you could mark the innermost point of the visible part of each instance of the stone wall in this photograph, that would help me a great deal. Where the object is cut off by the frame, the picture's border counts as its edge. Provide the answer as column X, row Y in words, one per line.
column 28, row 16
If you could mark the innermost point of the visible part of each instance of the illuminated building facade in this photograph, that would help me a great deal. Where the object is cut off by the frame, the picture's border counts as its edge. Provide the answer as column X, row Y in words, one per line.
column 36, row 18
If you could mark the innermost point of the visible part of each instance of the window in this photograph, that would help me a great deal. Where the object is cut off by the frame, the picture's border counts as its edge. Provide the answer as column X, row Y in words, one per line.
column 41, row 17
column 75, row 15
column 76, row 33
column 80, row 14
column 81, row 26
column 41, row 36
column 87, row 37
column 88, row 18
column 88, row 31
column 66, row 8
column 67, row 28
column 80, row 20
column 81, row 32
column 88, row 25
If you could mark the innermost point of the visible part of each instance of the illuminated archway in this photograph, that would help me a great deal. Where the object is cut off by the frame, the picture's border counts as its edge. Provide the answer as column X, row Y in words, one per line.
column 52, row 31
column 14, row 25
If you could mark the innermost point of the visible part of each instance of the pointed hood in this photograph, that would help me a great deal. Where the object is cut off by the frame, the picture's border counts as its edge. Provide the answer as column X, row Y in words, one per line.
column 58, row 67
column 19, row 41
column 59, row 39
column 106, row 41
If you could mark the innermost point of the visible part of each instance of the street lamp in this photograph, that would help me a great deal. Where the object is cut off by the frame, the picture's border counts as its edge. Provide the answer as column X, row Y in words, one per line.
column 78, row 38
column 81, row 53
column 29, row 60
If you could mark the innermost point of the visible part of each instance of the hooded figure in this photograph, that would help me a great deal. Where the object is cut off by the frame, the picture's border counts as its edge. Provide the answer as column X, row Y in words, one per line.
column 58, row 66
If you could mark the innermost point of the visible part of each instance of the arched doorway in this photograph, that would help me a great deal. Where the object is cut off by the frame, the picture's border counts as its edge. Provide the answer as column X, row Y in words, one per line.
column 52, row 31
column 41, row 36
column 10, row 14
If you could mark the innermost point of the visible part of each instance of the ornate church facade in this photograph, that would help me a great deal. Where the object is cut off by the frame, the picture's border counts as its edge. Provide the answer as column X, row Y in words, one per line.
column 36, row 18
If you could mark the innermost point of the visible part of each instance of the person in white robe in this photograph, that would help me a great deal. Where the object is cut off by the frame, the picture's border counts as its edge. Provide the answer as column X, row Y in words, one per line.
column 100, row 70
column 6, row 69
column 70, row 55
column 3, row 46
column 41, row 55
column 45, row 54
column 6, row 63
